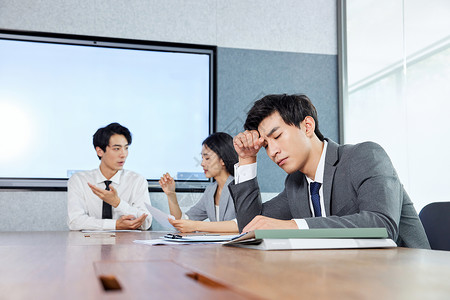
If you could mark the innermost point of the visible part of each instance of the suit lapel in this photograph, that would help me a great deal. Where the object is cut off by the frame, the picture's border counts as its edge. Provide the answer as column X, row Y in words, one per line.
column 224, row 196
column 299, row 196
column 210, row 205
column 331, row 159
column 305, row 210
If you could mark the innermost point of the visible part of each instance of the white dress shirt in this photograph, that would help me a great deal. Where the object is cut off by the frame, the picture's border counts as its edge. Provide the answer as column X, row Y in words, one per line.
column 85, row 208
column 248, row 172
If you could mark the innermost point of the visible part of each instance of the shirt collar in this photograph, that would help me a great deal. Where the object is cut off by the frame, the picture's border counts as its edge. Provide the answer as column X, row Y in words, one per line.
column 321, row 166
column 99, row 178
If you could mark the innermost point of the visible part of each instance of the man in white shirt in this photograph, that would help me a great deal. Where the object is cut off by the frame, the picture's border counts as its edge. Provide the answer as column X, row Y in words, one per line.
column 328, row 185
column 109, row 198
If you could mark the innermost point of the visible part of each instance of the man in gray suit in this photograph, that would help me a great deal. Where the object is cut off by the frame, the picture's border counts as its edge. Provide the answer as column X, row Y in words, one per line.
column 328, row 185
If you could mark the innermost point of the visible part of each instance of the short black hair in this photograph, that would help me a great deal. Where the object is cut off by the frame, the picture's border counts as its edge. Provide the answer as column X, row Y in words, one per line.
column 293, row 109
column 102, row 135
column 221, row 143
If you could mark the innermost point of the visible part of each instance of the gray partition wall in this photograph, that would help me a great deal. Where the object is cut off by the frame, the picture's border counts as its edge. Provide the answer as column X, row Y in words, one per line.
column 246, row 75
column 285, row 46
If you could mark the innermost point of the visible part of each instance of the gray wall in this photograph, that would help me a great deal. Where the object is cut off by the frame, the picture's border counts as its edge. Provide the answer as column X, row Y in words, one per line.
column 285, row 46
column 36, row 210
column 245, row 75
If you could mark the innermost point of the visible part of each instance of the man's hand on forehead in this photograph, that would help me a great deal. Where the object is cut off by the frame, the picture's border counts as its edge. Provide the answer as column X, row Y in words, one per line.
column 247, row 145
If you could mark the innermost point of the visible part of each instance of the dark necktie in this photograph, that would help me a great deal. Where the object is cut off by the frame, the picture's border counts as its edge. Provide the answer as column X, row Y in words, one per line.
column 315, row 198
column 107, row 208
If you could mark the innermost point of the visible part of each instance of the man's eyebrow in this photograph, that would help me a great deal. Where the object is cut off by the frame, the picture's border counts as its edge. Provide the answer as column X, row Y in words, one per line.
column 117, row 145
column 272, row 131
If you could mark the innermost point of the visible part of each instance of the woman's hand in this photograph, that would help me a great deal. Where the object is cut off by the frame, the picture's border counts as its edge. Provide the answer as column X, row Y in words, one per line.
column 184, row 225
column 167, row 184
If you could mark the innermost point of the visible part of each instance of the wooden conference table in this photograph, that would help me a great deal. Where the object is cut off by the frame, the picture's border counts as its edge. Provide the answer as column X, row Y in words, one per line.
column 74, row 265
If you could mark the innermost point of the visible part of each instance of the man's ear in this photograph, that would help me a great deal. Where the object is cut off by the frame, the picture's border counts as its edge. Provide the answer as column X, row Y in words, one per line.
column 99, row 151
column 310, row 125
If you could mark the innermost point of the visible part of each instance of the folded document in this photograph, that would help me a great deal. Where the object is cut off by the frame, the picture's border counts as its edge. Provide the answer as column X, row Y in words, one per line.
column 172, row 239
column 198, row 238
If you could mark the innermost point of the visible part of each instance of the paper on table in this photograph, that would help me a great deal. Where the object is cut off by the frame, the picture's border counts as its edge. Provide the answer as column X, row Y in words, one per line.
column 208, row 238
column 163, row 241
column 112, row 230
column 157, row 242
column 160, row 216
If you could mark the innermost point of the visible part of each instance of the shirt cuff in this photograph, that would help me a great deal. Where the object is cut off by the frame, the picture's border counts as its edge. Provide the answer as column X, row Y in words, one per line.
column 301, row 223
column 109, row 224
column 123, row 208
column 244, row 173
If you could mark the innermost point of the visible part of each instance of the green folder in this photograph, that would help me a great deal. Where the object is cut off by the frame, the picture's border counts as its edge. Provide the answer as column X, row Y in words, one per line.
column 315, row 233
column 322, row 233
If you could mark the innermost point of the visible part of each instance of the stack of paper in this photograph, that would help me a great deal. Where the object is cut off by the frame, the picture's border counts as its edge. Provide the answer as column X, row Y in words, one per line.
column 172, row 239
column 323, row 238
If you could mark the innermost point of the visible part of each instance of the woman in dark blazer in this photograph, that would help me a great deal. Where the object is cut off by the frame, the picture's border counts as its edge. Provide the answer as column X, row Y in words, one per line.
column 216, row 204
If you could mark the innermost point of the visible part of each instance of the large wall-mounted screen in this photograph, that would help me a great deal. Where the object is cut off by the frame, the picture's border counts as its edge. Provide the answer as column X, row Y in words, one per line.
column 56, row 91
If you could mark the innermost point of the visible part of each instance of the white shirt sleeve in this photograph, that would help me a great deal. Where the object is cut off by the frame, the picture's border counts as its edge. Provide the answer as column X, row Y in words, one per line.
column 301, row 223
column 136, row 207
column 244, row 173
column 248, row 172
column 79, row 218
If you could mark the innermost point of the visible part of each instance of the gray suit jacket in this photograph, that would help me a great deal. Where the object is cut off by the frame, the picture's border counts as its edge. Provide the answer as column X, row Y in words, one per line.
column 361, row 189
column 205, row 207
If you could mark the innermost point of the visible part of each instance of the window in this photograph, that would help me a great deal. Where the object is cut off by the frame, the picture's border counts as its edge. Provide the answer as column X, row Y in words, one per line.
column 397, row 87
